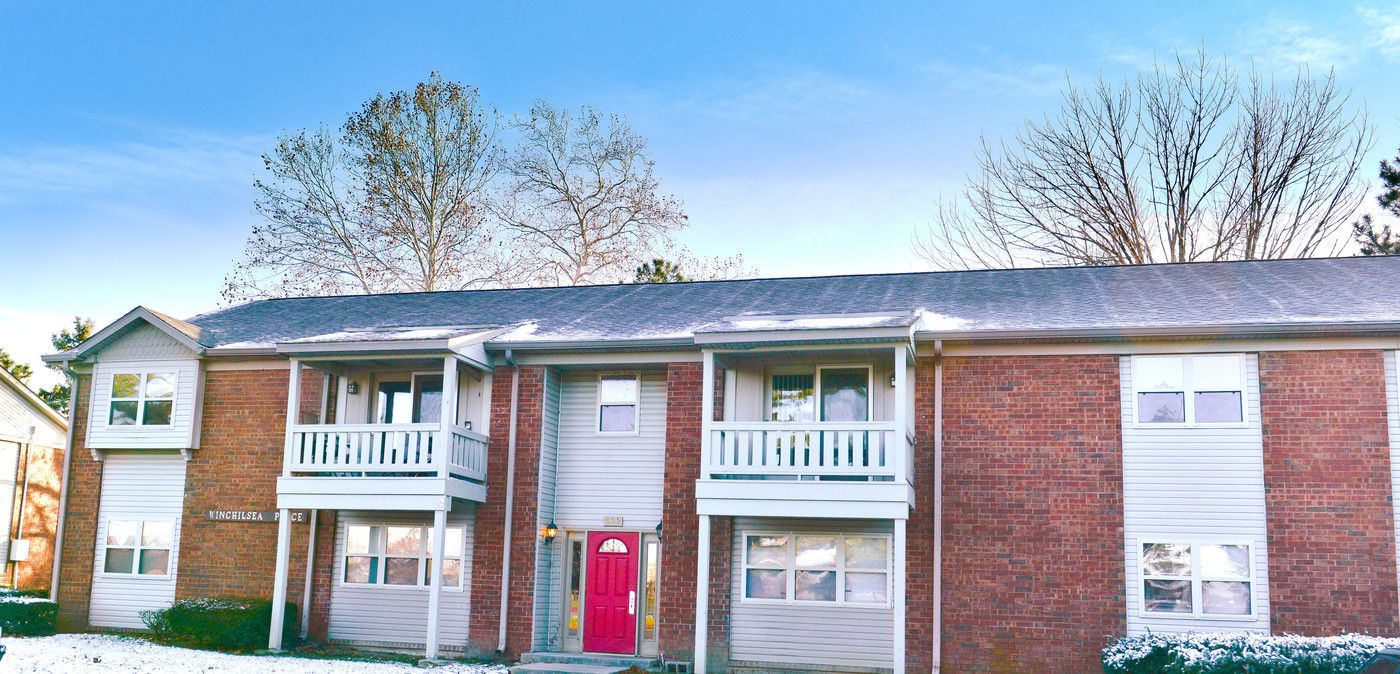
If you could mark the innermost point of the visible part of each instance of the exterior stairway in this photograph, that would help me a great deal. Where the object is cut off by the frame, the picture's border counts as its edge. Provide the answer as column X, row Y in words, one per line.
column 579, row 663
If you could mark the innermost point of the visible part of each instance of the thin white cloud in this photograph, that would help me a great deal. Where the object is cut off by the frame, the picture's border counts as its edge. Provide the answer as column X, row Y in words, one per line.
column 1382, row 30
column 1281, row 43
column 1001, row 79
column 171, row 157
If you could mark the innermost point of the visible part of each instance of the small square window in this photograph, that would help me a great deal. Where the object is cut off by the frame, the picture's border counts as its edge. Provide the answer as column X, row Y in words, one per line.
column 618, row 398
column 137, row 547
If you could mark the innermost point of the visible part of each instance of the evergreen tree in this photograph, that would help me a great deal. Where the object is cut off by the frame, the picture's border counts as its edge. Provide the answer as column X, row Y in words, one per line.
column 659, row 271
column 21, row 371
column 1382, row 241
column 67, row 338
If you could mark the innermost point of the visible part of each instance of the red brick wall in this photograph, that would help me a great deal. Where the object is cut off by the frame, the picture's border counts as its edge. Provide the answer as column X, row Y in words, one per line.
column 490, row 517
column 1033, row 537
column 243, row 429
column 680, row 527
column 80, row 521
column 920, row 562
column 1328, row 493
column 45, row 470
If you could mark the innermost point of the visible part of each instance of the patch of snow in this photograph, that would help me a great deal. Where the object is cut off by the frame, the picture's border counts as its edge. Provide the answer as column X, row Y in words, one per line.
column 90, row 653
column 26, row 600
column 825, row 323
column 248, row 345
column 933, row 321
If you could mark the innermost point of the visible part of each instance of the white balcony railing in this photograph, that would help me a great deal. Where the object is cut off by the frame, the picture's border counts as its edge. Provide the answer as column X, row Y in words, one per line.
column 872, row 450
column 386, row 450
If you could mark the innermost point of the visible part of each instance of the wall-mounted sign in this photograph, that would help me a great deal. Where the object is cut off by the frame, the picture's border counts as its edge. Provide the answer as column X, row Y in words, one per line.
column 612, row 521
column 298, row 516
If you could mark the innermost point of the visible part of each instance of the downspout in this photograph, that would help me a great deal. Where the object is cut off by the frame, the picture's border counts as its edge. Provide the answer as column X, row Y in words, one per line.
column 937, row 506
column 17, row 529
column 510, row 497
column 63, row 485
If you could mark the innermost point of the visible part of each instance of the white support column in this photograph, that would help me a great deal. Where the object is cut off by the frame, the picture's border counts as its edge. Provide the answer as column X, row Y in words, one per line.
column 483, row 424
column 435, row 583
column 702, row 583
column 310, row 568
column 293, row 412
column 899, row 600
column 279, row 584
column 707, row 406
column 901, row 414
column 448, row 414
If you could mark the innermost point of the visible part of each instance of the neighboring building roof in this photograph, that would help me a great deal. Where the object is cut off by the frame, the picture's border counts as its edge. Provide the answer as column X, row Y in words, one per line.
column 1260, row 295
column 21, row 409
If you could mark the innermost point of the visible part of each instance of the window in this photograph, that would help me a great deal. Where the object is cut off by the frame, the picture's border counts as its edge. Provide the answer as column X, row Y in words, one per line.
column 834, row 393
column 138, row 547
column 388, row 554
column 1189, row 390
column 1197, row 580
column 814, row 567
column 142, row 399
column 618, row 402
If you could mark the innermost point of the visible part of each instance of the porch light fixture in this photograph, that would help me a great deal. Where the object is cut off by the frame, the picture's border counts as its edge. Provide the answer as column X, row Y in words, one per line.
column 658, row 531
column 549, row 532
column 353, row 388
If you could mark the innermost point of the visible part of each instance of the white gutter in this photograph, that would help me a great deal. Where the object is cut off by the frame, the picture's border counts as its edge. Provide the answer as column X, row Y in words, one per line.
column 937, row 506
column 63, row 485
column 510, row 497
column 1178, row 331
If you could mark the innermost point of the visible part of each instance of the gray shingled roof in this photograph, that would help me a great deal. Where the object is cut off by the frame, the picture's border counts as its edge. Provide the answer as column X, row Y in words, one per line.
column 1179, row 296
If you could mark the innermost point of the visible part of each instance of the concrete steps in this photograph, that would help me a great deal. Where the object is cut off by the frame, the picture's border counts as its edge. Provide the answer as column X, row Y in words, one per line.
column 578, row 663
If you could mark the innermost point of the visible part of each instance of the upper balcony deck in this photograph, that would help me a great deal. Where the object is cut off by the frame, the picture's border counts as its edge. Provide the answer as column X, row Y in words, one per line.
column 391, row 432
column 757, row 465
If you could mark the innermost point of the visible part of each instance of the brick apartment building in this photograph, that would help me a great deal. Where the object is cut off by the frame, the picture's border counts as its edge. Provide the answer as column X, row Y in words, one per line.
column 961, row 471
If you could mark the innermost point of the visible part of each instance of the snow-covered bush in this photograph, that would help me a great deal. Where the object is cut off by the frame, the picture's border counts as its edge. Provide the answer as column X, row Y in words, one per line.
column 1222, row 653
column 25, row 613
column 225, row 623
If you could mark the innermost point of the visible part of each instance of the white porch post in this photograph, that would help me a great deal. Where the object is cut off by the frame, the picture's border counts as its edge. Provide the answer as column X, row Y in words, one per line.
column 310, row 569
column 435, row 593
column 702, row 585
column 293, row 412
column 901, row 414
column 279, row 586
column 707, row 407
column 899, row 602
column 449, row 414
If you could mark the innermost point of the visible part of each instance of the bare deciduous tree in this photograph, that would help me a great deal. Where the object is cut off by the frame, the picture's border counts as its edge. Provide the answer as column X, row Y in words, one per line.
column 1181, row 166
column 581, row 200
column 395, row 204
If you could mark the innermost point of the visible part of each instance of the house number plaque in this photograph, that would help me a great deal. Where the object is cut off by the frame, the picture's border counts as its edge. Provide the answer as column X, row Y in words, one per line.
column 298, row 516
column 615, row 521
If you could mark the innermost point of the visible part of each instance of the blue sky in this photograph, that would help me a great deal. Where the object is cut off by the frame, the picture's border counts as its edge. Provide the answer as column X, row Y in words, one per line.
column 811, row 137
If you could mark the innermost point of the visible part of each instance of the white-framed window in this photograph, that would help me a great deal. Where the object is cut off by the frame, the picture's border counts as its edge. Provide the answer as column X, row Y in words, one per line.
column 409, row 399
column 823, row 393
column 619, row 403
column 1197, row 579
column 399, row 555
column 138, row 548
column 1189, row 390
column 822, row 568
column 142, row 399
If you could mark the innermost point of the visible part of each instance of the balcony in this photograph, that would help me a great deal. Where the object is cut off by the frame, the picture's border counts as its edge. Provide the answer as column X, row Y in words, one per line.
column 370, row 435
column 846, row 469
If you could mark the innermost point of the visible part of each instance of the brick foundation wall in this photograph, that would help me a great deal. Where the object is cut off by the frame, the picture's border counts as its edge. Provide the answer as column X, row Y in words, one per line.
column 1328, row 492
column 243, row 431
column 1033, row 524
column 490, row 517
column 680, row 525
column 80, row 520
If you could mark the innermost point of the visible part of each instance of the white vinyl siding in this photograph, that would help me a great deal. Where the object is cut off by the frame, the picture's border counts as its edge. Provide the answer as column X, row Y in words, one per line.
column 807, row 634
column 1203, row 484
column 178, row 435
column 610, row 475
column 9, row 462
column 17, row 415
column 548, row 596
column 146, row 487
column 397, row 616
column 1392, row 400
column 145, row 342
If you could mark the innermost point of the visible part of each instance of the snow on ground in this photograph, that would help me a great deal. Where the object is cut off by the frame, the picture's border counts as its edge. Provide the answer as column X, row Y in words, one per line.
column 84, row 653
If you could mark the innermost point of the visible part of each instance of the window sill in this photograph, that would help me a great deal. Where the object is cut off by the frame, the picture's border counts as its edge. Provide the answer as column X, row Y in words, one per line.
column 143, row 577
column 399, row 588
column 1246, row 618
column 812, row 604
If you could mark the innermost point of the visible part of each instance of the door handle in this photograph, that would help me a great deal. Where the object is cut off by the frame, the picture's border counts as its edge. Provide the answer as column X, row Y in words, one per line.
column 632, row 603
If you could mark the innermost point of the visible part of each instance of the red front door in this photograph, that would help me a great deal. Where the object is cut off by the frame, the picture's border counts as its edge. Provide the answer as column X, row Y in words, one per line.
column 610, row 622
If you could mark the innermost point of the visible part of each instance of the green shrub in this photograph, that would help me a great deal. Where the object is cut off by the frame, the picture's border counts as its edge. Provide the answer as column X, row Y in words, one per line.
column 27, row 613
column 1225, row 653
column 224, row 623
